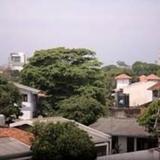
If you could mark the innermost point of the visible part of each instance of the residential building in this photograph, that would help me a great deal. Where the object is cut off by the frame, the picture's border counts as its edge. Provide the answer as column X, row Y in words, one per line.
column 29, row 100
column 127, row 134
column 135, row 94
column 17, row 61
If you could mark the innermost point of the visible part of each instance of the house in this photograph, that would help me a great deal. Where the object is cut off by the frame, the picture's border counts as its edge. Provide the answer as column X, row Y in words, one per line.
column 135, row 94
column 29, row 100
column 15, row 144
column 127, row 134
column 101, row 140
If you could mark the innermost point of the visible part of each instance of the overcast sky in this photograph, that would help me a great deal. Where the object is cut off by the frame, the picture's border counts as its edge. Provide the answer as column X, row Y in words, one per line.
column 127, row 30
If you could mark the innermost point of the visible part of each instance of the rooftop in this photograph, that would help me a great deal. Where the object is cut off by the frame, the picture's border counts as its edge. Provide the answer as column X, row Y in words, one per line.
column 97, row 136
column 153, row 77
column 151, row 154
column 18, row 134
column 123, row 76
column 30, row 89
column 120, row 127
column 11, row 148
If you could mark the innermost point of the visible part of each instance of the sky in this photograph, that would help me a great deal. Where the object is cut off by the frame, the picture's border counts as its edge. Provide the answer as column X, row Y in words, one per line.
column 127, row 30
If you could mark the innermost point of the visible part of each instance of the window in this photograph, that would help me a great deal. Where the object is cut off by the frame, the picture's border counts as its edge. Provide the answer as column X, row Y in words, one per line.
column 15, row 59
column 101, row 150
column 24, row 97
column 155, row 93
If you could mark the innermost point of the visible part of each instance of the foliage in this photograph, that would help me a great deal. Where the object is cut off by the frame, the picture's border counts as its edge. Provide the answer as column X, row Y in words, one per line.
column 11, row 75
column 148, row 118
column 64, row 73
column 83, row 109
column 140, row 68
column 9, row 99
column 61, row 141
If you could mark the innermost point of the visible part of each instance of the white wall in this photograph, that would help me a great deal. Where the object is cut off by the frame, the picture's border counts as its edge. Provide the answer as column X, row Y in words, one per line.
column 28, row 107
column 139, row 93
column 121, row 83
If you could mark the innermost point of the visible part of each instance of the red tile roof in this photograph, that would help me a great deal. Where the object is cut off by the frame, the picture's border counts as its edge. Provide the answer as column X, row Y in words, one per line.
column 153, row 77
column 123, row 76
column 143, row 78
column 18, row 134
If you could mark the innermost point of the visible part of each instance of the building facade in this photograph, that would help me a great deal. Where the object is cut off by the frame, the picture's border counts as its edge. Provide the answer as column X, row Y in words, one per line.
column 17, row 61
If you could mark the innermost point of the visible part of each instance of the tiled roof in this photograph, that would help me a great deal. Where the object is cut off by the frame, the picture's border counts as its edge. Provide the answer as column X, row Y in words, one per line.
column 123, row 76
column 143, row 78
column 11, row 148
column 120, row 127
column 153, row 77
column 18, row 134
column 96, row 135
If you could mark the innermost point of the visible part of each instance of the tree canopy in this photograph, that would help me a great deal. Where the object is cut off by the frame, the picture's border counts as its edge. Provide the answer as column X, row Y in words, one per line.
column 140, row 68
column 64, row 73
column 84, row 109
column 9, row 99
column 61, row 141
column 148, row 118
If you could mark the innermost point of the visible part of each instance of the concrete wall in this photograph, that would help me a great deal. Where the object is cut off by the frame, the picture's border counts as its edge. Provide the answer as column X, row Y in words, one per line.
column 121, row 83
column 139, row 93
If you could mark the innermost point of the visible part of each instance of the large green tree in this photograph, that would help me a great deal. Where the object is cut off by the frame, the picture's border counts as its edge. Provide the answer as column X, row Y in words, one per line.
column 64, row 73
column 61, row 141
column 9, row 99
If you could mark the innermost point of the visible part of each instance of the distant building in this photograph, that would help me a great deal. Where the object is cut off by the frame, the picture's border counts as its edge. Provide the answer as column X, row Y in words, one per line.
column 122, row 81
column 17, row 60
column 136, row 94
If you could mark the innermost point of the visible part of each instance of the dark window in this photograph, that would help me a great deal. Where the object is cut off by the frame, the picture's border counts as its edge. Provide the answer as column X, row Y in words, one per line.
column 24, row 97
column 115, row 146
column 155, row 93
column 130, row 144
column 142, row 143
column 101, row 150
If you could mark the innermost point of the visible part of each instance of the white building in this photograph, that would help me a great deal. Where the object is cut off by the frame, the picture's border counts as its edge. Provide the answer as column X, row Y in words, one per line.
column 122, row 81
column 29, row 100
column 138, row 93
column 17, row 60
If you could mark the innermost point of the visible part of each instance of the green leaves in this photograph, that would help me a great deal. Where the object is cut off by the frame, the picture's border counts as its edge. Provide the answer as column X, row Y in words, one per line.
column 83, row 109
column 149, row 116
column 64, row 73
column 9, row 99
column 61, row 141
